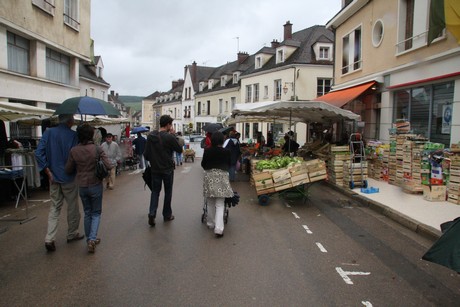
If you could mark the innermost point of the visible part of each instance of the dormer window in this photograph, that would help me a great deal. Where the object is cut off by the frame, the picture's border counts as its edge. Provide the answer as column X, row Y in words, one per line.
column 323, row 51
column 258, row 62
column 210, row 84
column 201, row 86
column 223, row 80
column 236, row 77
column 279, row 56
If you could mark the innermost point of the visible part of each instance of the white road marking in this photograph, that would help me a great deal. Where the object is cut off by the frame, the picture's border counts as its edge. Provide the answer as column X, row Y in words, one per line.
column 307, row 229
column 295, row 215
column 287, row 205
column 6, row 216
column 366, row 303
column 321, row 247
column 344, row 274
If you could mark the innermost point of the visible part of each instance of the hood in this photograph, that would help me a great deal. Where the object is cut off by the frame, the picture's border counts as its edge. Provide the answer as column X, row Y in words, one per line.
column 154, row 137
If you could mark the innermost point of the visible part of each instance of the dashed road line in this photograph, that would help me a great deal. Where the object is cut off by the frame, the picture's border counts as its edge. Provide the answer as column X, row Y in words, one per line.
column 344, row 275
column 321, row 247
column 295, row 215
column 307, row 229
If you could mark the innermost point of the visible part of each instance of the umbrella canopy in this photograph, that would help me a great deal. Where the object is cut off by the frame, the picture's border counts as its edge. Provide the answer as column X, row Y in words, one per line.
column 85, row 105
column 298, row 111
column 446, row 250
column 226, row 130
column 212, row 127
column 139, row 129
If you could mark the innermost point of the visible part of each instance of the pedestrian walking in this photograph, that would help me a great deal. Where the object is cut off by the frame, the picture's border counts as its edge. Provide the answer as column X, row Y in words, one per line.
column 113, row 152
column 216, row 185
column 139, row 147
column 179, row 155
column 231, row 144
column 51, row 154
column 82, row 159
column 158, row 151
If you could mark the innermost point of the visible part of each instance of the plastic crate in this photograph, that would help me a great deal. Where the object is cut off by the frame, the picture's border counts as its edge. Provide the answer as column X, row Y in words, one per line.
column 369, row 190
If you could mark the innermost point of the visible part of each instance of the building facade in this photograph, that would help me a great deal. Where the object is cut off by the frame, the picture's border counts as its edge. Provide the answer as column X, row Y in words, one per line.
column 386, row 70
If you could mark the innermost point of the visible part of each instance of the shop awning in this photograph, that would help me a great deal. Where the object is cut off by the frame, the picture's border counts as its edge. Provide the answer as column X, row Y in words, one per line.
column 341, row 97
column 10, row 111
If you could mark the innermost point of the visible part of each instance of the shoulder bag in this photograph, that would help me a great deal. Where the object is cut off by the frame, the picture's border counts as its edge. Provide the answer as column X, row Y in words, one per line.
column 101, row 170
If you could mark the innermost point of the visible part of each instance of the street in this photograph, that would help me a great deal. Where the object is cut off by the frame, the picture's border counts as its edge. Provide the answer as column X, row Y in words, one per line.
column 325, row 252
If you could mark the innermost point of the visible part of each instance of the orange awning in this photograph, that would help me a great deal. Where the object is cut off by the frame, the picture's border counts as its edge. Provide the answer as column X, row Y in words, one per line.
column 341, row 97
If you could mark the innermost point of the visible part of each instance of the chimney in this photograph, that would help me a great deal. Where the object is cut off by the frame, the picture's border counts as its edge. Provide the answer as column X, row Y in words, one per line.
column 242, row 56
column 275, row 44
column 174, row 84
column 112, row 93
column 288, row 30
column 193, row 72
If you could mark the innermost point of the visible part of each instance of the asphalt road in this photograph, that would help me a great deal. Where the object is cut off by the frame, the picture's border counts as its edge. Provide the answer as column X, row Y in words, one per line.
column 325, row 252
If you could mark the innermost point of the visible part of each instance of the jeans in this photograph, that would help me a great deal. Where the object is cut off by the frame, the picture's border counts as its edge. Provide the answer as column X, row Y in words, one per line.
column 58, row 193
column 91, row 198
column 157, row 180
column 231, row 172
column 141, row 161
column 178, row 158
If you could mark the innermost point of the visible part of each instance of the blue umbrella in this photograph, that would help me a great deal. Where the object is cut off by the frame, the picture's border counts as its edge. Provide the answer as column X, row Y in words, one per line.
column 85, row 105
column 139, row 129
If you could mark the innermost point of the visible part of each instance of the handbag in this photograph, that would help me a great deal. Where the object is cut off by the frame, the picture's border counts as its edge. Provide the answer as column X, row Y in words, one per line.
column 101, row 170
column 147, row 176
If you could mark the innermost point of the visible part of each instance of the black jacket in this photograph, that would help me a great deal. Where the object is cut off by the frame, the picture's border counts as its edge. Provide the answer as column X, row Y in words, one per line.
column 159, row 149
column 216, row 157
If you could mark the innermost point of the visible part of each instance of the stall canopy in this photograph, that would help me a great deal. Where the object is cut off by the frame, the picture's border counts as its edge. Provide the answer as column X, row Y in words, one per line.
column 341, row 97
column 292, row 111
column 13, row 111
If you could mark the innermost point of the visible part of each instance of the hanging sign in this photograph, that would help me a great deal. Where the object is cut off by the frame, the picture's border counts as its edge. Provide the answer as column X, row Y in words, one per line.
column 446, row 118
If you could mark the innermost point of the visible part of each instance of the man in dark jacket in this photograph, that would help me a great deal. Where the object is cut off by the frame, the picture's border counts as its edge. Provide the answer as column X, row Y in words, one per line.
column 158, row 151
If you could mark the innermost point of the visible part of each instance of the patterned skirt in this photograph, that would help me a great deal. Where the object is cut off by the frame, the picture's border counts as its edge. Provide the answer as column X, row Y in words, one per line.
column 216, row 183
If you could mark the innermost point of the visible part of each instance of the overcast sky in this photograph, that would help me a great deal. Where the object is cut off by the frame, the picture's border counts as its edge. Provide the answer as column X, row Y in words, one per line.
column 145, row 44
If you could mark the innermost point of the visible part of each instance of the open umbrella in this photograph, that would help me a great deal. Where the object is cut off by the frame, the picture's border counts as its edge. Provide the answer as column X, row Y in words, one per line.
column 226, row 130
column 85, row 105
column 139, row 129
column 212, row 127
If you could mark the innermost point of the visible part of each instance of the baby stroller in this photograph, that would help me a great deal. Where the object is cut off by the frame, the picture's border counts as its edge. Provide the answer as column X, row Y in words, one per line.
column 229, row 202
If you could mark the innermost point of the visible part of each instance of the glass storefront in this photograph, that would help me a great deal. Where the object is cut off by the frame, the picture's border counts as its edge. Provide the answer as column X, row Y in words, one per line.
column 428, row 109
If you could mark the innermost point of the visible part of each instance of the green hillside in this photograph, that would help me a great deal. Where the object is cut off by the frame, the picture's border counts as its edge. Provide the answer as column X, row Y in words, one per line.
column 134, row 102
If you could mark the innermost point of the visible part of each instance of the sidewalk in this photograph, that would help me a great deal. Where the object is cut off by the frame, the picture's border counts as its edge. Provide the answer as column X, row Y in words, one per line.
column 410, row 210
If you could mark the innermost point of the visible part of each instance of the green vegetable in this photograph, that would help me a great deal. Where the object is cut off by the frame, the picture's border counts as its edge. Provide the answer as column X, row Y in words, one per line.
column 277, row 162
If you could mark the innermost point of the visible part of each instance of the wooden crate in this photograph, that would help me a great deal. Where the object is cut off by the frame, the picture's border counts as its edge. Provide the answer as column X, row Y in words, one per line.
column 281, row 175
column 266, row 191
column 318, row 178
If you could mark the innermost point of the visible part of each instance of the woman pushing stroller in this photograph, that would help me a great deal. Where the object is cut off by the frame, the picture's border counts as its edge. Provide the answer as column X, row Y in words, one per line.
column 216, row 185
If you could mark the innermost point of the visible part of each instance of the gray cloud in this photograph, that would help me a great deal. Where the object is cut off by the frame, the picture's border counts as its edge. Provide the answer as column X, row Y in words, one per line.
column 145, row 44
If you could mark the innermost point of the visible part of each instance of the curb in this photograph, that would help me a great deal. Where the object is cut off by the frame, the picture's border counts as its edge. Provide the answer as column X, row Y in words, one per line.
column 402, row 219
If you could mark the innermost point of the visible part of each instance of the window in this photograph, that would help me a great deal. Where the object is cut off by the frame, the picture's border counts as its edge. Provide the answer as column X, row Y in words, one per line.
column 377, row 33
column 248, row 93
column 412, row 24
column 199, row 108
column 258, row 62
column 235, row 78
column 221, row 106
column 71, row 14
column 279, row 56
column 351, row 51
column 189, row 92
column 208, row 107
column 324, row 53
column 277, row 89
column 428, row 108
column 226, row 106
column 233, row 102
column 57, row 66
column 223, row 80
column 256, row 92
column 323, row 87
column 210, row 84
column 18, row 53
column 45, row 5
column 266, row 91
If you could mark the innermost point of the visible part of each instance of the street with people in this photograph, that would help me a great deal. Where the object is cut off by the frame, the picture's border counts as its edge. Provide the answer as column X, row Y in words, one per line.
column 326, row 251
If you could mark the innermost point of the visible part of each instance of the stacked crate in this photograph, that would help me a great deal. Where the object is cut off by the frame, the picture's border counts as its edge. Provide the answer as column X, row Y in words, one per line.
column 400, row 139
column 299, row 174
column 338, row 155
column 263, row 183
column 453, row 194
column 282, row 179
column 316, row 170
column 412, row 161
column 392, row 160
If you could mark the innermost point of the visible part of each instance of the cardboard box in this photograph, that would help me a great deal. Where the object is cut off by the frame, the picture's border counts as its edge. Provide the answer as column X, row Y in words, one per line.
column 434, row 193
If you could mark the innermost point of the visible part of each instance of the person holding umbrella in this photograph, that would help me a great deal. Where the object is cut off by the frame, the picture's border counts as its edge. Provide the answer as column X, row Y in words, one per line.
column 139, row 147
column 51, row 154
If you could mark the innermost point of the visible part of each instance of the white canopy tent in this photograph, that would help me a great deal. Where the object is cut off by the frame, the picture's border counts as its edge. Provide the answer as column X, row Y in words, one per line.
column 13, row 111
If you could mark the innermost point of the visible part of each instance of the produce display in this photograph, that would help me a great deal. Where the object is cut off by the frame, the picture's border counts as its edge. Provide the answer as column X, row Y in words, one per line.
column 277, row 163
